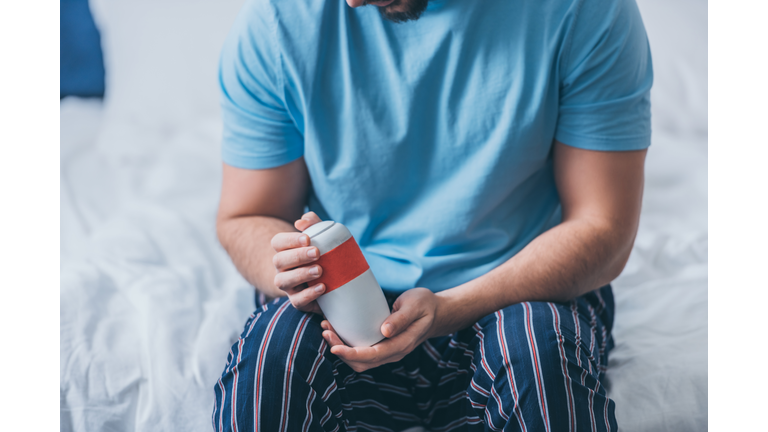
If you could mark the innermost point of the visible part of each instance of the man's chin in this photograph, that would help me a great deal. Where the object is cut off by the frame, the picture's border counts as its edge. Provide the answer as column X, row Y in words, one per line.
column 404, row 10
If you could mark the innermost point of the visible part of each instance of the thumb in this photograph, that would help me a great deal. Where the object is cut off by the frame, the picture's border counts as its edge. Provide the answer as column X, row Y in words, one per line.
column 307, row 221
column 398, row 321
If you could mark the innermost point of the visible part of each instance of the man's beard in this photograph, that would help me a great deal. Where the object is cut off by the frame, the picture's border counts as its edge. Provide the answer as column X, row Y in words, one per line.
column 406, row 10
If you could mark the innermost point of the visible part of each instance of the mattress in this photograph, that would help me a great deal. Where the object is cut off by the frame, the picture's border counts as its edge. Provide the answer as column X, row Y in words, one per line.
column 150, row 302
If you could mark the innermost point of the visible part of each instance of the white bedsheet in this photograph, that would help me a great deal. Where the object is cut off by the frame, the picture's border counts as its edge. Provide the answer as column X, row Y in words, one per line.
column 657, row 373
column 150, row 302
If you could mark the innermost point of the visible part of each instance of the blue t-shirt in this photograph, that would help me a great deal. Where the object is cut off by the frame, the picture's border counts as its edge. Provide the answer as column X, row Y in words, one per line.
column 431, row 140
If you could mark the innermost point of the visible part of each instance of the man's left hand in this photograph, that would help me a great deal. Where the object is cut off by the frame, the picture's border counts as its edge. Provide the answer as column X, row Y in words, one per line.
column 414, row 319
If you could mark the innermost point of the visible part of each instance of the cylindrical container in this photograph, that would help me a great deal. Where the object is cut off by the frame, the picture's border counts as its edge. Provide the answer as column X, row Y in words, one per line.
column 353, row 301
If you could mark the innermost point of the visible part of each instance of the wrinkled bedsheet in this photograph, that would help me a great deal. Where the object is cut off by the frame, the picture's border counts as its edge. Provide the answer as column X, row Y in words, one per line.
column 150, row 302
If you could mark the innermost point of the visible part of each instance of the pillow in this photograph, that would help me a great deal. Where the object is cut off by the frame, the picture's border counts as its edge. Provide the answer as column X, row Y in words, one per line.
column 677, row 31
column 161, row 61
column 81, row 70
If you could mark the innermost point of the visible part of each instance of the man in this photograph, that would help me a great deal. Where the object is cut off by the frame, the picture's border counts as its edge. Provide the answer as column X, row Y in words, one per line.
column 488, row 158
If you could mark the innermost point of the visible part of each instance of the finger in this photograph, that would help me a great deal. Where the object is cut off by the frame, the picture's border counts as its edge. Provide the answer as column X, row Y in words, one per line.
column 306, row 221
column 290, row 279
column 329, row 333
column 314, row 308
column 326, row 325
column 386, row 351
column 399, row 320
column 302, row 300
column 332, row 338
column 366, row 355
column 375, row 355
column 292, row 258
column 288, row 240
column 398, row 303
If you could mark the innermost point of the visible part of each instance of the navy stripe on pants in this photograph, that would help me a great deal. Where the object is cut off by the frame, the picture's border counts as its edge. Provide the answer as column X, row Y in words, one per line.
column 533, row 366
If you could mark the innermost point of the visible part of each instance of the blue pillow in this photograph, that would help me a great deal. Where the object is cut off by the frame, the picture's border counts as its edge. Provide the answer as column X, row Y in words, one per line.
column 82, row 64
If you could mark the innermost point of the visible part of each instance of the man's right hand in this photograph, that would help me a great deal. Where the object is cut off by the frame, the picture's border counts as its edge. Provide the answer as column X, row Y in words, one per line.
column 295, row 269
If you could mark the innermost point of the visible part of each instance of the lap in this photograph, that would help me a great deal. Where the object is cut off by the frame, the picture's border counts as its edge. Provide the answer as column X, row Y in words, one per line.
column 281, row 374
column 538, row 365
column 530, row 366
column 542, row 335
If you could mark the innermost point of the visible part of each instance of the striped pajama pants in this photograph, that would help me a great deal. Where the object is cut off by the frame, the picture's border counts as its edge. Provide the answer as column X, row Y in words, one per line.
column 532, row 366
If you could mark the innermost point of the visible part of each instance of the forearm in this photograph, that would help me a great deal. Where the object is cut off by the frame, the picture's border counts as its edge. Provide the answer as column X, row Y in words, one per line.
column 247, row 241
column 569, row 260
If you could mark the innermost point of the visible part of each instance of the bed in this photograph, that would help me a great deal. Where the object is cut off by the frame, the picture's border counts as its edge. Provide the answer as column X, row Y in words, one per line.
column 150, row 302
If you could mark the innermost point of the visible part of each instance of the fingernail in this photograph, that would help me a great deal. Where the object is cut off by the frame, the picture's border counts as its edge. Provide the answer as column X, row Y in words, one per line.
column 314, row 271
column 387, row 329
column 312, row 253
column 319, row 288
column 304, row 240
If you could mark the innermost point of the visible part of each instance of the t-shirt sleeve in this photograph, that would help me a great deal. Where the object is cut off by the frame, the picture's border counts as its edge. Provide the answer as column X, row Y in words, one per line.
column 606, row 79
column 259, row 131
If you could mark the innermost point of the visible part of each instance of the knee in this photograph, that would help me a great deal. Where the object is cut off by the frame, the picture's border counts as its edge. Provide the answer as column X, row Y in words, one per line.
column 523, row 326
column 529, row 353
column 536, row 329
column 523, row 343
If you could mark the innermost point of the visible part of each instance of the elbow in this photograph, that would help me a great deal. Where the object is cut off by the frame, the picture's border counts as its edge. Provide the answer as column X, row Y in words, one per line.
column 222, row 228
column 618, row 240
column 617, row 265
column 226, row 226
column 614, row 272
